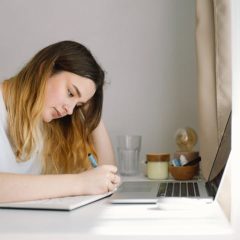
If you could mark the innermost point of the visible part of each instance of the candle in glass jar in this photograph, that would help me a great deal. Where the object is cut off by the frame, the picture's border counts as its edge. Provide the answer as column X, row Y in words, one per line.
column 157, row 165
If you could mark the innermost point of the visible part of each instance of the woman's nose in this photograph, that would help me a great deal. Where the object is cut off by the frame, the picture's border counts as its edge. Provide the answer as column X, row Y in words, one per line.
column 68, row 109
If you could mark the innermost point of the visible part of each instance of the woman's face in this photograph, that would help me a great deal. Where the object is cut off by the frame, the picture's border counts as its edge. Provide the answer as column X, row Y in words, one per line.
column 65, row 91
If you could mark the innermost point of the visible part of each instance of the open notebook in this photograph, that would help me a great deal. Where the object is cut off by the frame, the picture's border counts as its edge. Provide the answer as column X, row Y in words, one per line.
column 64, row 203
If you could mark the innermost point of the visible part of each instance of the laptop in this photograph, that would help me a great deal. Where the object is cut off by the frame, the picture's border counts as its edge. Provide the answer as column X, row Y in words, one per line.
column 156, row 191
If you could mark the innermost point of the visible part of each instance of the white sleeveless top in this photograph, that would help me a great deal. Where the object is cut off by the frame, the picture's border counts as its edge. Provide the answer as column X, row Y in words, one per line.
column 8, row 161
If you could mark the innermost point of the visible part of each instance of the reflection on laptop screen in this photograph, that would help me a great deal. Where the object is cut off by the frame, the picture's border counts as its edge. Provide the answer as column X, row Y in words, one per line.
column 220, row 160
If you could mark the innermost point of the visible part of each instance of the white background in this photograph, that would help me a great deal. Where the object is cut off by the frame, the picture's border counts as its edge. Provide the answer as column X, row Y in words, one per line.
column 146, row 47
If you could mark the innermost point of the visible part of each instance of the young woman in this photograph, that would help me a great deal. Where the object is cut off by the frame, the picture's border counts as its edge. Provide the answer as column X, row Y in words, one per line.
column 50, row 120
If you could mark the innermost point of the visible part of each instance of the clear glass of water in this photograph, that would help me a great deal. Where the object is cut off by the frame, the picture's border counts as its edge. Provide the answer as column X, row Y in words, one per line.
column 128, row 149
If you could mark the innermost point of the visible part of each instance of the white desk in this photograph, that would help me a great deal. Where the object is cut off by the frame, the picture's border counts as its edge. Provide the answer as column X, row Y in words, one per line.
column 102, row 220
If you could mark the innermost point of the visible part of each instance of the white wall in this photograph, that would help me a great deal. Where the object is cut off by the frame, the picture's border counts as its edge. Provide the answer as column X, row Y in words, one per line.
column 147, row 48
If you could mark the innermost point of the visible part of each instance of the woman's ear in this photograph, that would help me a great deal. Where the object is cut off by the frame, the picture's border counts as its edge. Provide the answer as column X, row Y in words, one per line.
column 85, row 107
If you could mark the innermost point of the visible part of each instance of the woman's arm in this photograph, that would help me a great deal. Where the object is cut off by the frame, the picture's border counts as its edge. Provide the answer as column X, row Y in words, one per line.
column 103, row 145
column 23, row 187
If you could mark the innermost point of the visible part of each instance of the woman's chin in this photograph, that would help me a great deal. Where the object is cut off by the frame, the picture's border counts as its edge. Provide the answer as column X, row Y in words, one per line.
column 47, row 119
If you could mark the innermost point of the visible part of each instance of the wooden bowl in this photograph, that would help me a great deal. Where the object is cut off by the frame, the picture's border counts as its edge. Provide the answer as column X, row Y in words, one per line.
column 183, row 173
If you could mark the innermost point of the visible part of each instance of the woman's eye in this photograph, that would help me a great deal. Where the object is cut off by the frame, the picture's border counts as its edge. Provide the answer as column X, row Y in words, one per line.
column 70, row 93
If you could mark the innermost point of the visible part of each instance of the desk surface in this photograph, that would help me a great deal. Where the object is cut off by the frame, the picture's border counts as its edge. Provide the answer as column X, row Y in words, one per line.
column 103, row 220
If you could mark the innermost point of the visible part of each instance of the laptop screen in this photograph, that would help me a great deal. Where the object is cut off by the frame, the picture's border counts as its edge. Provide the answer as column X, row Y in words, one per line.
column 220, row 160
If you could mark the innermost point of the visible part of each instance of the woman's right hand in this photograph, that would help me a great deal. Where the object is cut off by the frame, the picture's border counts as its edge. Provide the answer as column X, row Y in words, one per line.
column 98, row 180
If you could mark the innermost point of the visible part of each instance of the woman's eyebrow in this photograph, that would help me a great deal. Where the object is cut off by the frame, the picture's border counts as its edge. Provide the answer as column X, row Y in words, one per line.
column 78, row 92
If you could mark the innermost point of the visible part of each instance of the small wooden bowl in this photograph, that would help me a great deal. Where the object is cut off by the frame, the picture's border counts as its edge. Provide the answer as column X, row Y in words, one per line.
column 183, row 173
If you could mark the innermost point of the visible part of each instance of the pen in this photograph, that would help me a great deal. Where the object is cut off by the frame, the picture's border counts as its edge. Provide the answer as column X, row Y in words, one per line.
column 92, row 160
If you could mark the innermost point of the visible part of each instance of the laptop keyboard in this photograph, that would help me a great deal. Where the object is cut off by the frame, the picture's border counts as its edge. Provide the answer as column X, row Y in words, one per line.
column 178, row 189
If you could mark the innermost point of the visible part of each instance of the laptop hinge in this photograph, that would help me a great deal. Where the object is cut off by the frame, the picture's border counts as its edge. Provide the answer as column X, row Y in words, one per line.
column 210, row 190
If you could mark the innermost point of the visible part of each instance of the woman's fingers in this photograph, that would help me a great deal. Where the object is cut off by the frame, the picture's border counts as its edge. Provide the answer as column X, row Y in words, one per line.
column 109, row 177
column 113, row 182
column 111, row 186
column 114, row 178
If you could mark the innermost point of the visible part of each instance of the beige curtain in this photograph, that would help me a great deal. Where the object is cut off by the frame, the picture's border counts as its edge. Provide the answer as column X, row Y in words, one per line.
column 213, row 46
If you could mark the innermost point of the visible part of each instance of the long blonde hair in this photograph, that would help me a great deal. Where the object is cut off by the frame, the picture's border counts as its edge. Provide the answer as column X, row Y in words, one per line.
column 63, row 143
